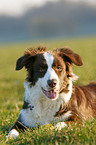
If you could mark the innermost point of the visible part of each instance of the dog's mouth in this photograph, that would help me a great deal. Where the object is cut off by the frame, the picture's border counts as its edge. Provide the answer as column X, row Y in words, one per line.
column 51, row 94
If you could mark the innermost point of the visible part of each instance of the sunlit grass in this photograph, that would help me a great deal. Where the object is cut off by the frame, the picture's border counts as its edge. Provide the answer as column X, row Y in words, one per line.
column 12, row 91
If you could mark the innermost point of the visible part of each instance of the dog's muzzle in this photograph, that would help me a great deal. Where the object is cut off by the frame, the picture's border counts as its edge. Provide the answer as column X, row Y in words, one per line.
column 52, row 92
column 52, row 83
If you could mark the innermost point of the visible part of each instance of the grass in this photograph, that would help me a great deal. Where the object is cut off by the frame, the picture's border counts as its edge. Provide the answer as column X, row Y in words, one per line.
column 12, row 91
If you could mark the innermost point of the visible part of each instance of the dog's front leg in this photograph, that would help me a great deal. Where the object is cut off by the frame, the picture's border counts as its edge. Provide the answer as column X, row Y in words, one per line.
column 13, row 134
column 15, row 129
column 60, row 125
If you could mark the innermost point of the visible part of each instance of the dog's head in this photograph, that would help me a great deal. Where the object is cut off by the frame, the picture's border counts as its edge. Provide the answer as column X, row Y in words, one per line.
column 49, row 70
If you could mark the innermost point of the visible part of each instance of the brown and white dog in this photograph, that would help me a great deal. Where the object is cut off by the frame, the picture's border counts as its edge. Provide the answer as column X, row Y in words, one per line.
column 49, row 92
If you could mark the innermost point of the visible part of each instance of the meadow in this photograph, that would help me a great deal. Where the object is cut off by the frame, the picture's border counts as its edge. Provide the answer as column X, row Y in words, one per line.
column 12, row 92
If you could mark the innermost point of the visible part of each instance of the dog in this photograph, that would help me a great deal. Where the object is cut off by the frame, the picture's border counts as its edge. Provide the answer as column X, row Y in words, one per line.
column 50, row 95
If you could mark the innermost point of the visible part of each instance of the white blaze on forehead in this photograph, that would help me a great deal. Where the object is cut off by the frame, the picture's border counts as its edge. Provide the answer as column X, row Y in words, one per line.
column 49, row 59
column 50, row 74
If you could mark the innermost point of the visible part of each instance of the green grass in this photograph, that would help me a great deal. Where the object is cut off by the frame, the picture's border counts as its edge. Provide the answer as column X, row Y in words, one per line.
column 12, row 91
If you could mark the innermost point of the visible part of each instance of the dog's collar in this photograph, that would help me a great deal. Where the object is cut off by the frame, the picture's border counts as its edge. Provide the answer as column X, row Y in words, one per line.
column 27, row 105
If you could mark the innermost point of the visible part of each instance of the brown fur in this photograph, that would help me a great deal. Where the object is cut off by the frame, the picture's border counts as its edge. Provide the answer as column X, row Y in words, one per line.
column 82, row 103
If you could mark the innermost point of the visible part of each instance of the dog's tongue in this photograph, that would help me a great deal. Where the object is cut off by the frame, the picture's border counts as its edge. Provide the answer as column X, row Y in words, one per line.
column 50, row 94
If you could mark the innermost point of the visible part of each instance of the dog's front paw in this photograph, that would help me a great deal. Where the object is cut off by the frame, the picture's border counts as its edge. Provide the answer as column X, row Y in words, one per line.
column 60, row 125
column 13, row 134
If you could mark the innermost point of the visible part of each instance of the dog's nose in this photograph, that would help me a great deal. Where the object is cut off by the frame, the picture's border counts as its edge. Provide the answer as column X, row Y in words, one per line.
column 52, row 83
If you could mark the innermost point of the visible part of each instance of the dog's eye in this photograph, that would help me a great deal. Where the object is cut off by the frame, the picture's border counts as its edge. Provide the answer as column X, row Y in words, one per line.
column 41, row 69
column 59, row 68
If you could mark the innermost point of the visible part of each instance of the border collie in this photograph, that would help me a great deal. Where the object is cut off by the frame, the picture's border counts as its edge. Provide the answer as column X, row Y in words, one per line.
column 49, row 92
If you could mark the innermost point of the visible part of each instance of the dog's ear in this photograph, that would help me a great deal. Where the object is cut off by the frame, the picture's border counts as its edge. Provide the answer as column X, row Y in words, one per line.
column 26, row 60
column 20, row 63
column 69, row 56
column 29, row 57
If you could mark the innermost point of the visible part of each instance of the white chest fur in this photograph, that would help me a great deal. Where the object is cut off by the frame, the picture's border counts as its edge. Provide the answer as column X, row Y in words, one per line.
column 44, row 108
